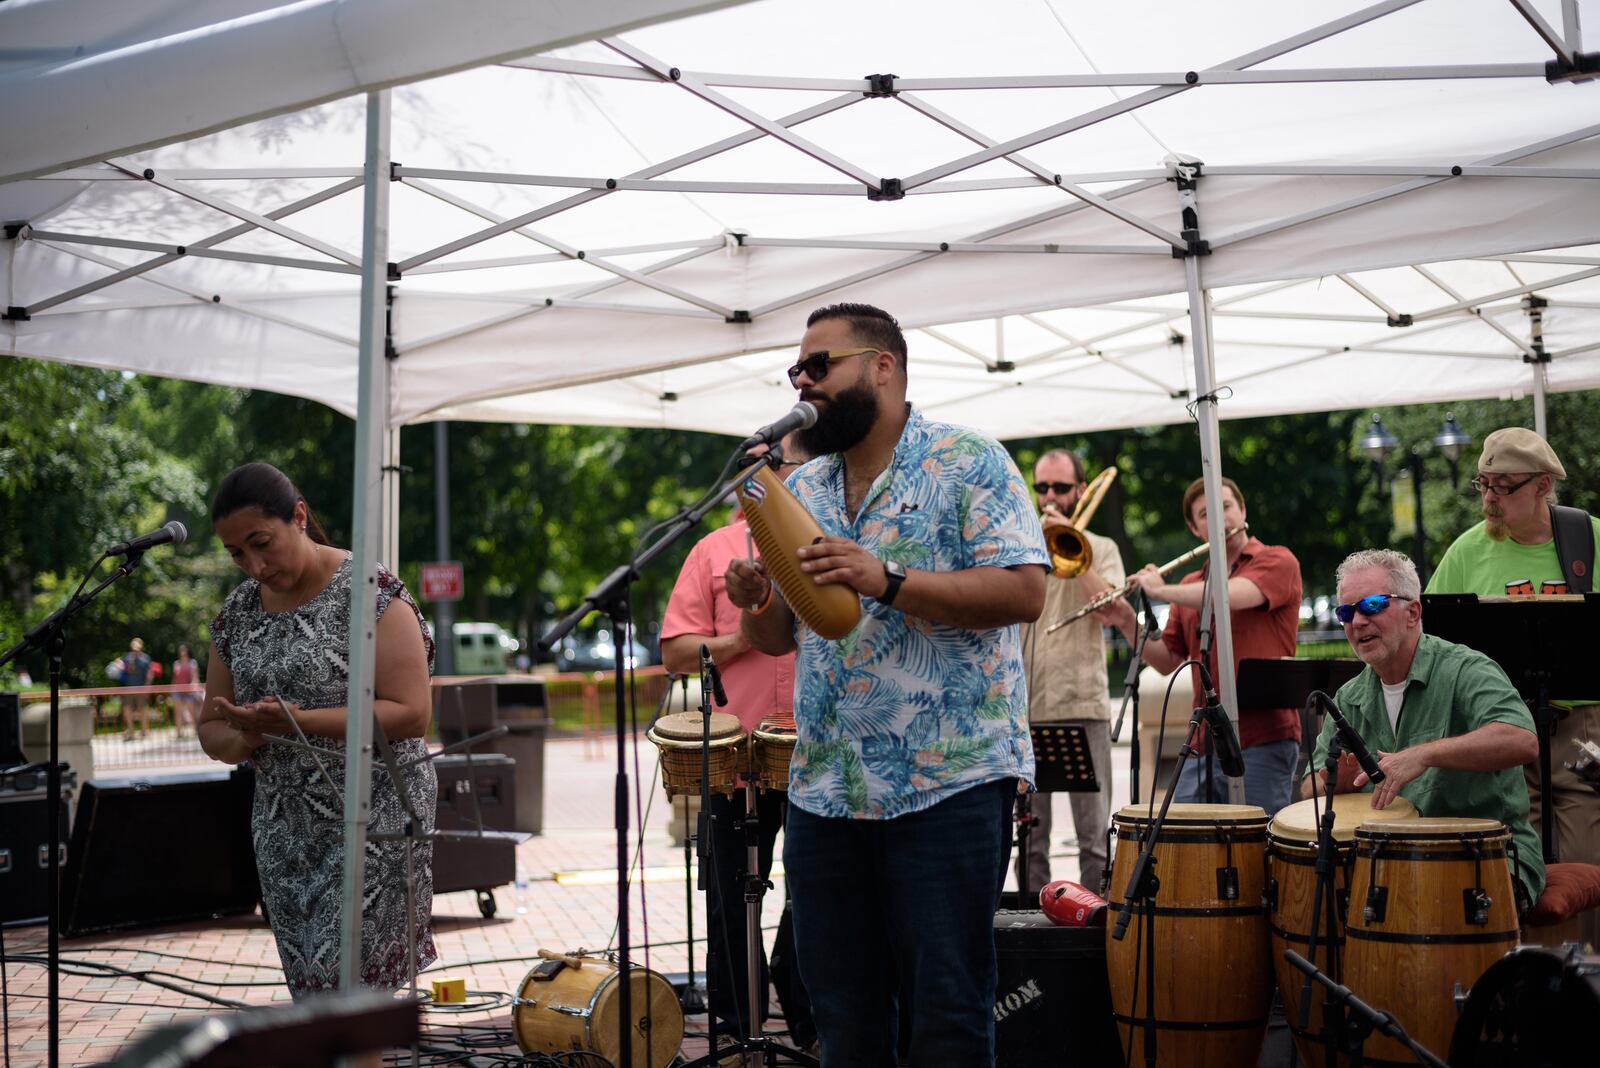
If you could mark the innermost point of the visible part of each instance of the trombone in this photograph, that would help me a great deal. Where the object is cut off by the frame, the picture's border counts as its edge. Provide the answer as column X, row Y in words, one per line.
column 1105, row 598
column 1070, row 554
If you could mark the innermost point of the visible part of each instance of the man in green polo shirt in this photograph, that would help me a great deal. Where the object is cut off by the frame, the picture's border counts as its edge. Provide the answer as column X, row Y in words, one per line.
column 1448, row 729
column 1514, row 552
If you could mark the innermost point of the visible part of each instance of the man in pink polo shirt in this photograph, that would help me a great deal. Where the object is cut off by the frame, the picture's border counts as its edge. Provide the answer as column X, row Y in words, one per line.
column 758, row 686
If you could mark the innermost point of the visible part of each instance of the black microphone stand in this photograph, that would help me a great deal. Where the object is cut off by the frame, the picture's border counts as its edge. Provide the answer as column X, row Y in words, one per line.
column 1363, row 1018
column 1130, row 689
column 1143, row 886
column 611, row 597
column 51, row 637
column 1324, row 900
column 1204, row 633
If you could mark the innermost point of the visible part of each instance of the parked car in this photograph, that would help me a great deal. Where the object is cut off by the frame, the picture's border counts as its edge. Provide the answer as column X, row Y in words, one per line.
column 483, row 649
column 596, row 652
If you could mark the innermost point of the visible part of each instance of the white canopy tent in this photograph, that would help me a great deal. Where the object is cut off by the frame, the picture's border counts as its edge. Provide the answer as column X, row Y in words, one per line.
column 625, row 232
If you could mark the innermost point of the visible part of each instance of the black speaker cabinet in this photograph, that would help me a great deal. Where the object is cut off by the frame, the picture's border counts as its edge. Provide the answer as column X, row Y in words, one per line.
column 25, row 844
column 160, row 850
column 489, row 789
column 1053, row 1001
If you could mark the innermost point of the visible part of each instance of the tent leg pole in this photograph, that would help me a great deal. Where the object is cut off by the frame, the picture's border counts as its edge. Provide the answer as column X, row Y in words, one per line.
column 1539, row 426
column 1205, row 380
column 372, row 417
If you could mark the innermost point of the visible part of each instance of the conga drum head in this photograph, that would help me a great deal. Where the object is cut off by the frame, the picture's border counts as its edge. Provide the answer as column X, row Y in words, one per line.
column 1426, row 829
column 687, row 726
column 1208, row 813
column 1298, row 822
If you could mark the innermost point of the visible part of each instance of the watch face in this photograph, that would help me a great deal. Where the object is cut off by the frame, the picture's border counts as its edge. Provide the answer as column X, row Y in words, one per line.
column 895, row 569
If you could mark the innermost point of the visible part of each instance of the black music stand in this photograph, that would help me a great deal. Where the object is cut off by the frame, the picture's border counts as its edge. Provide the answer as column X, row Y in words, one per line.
column 1543, row 645
column 1062, row 764
column 1286, row 682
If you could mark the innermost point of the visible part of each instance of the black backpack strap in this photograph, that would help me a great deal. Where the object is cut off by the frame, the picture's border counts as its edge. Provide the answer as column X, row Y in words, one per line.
column 1574, row 546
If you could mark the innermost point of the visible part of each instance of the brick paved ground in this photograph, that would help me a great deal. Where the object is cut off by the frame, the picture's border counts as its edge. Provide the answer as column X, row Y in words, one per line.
column 578, row 846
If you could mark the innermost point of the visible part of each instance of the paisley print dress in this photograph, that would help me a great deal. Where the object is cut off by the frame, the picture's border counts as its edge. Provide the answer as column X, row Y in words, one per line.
column 302, row 655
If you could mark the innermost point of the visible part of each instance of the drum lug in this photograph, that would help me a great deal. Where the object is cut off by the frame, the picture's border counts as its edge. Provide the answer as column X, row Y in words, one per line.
column 1459, row 997
column 1342, row 903
column 1377, row 904
column 1475, row 904
column 1269, row 895
column 1228, row 883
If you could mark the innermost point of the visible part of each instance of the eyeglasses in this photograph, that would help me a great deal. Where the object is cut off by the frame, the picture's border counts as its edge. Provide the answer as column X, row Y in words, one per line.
column 815, row 365
column 1367, row 606
column 1480, row 484
column 1060, row 489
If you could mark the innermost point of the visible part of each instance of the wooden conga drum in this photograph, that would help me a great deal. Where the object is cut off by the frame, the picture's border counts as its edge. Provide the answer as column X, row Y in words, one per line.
column 679, row 739
column 1291, row 888
column 1212, row 978
column 1431, row 907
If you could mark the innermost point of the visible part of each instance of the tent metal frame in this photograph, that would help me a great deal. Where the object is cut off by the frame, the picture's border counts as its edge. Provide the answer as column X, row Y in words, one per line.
column 375, row 487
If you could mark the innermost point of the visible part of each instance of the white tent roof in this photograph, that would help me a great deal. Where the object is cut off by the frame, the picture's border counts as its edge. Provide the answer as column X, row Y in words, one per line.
column 574, row 233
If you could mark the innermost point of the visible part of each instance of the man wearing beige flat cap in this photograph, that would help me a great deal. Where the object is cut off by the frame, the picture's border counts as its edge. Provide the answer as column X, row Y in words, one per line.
column 1529, row 545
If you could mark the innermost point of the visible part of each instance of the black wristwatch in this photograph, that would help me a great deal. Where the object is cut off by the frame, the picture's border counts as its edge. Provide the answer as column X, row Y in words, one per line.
column 895, row 574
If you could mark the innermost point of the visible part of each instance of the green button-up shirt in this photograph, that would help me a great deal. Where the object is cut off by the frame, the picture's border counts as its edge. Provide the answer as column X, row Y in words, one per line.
column 1451, row 690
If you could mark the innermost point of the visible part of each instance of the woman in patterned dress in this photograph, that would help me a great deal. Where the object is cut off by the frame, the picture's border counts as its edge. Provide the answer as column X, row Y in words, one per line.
column 280, row 648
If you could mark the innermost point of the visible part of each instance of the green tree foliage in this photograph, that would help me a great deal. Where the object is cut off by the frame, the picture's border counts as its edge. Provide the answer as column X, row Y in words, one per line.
column 542, row 514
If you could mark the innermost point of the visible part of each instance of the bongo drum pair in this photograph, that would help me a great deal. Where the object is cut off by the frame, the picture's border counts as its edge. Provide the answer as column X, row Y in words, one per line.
column 763, row 755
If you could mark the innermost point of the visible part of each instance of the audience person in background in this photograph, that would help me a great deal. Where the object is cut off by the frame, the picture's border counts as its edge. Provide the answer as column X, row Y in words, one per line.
column 186, row 706
column 135, row 672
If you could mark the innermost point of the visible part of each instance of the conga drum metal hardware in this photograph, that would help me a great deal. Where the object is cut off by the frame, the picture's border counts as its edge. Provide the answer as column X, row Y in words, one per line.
column 565, row 1006
column 1437, row 909
column 1291, row 888
column 1212, row 978
column 678, row 738
column 771, row 748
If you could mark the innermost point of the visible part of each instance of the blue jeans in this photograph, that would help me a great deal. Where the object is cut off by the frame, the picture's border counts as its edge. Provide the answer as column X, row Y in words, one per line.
column 906, row 905
column 1268, row 777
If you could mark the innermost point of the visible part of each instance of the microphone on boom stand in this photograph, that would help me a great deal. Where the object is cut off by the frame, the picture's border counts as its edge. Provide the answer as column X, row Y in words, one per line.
column 1229, row 755
column 1352, row 741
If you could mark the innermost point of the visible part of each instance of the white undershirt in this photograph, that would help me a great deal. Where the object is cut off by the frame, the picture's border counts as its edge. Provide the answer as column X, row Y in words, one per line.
column 1394, row 696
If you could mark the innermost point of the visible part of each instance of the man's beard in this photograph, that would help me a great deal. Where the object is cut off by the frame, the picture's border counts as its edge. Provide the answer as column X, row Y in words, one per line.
column 842, row 422
column 1494, row 526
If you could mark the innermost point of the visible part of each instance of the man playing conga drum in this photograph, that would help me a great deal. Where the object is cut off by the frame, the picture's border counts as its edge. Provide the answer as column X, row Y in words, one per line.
column 1449, row 731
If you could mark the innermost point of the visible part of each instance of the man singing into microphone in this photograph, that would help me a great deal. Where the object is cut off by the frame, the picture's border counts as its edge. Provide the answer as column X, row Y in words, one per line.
column 1448, row 729
column 913, row 728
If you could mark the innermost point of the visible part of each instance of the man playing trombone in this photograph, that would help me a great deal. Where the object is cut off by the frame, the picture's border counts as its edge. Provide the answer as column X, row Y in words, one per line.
column 1264, row 608
column 1066, row 669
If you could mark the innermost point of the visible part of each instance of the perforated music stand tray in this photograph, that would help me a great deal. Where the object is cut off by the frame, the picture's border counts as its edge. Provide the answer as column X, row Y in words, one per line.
column 1286, row 682
column 1061, row 759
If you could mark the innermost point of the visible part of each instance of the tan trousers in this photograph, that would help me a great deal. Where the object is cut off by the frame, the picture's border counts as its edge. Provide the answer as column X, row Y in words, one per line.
column 1576, row 806
column 1091, row 815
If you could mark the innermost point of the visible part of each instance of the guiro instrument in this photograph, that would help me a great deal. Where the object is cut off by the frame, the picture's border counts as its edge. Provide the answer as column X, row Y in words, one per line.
column 1099, row 602
column 780, row 524
column 1070, row 554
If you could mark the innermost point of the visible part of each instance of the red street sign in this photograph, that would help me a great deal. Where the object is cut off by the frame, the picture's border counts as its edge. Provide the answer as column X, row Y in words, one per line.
column 442, row 581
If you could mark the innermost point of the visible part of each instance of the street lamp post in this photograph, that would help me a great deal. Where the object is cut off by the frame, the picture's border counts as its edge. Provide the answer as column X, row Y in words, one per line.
column 1378, row 443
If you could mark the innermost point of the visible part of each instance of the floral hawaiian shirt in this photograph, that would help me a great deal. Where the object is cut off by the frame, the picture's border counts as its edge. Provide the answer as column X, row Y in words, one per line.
column 902, row 712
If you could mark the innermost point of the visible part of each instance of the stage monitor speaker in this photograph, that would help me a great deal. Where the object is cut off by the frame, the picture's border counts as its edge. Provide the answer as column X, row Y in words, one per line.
column 1053, row 1000
column 25, row 842
column 160, row 850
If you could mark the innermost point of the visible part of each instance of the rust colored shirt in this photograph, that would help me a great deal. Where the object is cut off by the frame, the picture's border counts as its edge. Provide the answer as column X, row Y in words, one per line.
column 1267, row 630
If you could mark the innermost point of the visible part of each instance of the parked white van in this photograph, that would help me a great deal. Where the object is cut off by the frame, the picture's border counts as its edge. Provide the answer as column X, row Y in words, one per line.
column 483, row 649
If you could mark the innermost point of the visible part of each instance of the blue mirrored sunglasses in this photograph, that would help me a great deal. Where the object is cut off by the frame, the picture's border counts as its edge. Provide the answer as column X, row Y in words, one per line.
column 1367, row 606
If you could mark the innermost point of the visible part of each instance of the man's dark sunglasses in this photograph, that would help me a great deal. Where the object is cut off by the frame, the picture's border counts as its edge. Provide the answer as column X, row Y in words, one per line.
column 1060, row 489
column 816, row 365
column 1367, row 606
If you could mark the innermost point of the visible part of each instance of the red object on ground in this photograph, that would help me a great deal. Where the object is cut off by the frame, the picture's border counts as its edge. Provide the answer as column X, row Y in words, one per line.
column 1071, row 905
